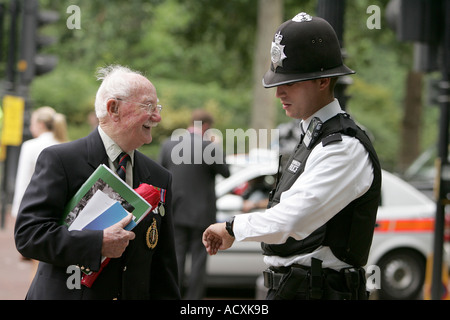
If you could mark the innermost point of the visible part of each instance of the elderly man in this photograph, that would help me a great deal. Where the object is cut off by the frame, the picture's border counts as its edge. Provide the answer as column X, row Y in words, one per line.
column 127, row 109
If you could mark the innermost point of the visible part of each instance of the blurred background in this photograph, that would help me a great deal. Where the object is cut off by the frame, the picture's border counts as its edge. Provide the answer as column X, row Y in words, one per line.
column 203, row 54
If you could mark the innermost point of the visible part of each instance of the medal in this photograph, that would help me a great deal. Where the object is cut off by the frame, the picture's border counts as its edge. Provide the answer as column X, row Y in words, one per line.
column 160, row 208
column 162, row 211
column 152, row 235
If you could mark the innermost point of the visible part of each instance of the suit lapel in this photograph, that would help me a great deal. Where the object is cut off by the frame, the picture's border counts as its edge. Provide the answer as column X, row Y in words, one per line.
column 141, row 172
column 96, row 152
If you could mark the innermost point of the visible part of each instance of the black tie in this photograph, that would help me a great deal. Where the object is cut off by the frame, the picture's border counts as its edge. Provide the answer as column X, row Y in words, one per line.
column 302, row 135
column 302, row 130
column 122, row 169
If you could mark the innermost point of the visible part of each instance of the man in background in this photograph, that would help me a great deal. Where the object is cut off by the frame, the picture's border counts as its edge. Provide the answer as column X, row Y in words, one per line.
column 194, row 197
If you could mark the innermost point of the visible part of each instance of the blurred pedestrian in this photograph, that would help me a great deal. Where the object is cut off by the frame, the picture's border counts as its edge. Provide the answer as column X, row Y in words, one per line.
column 47, row 128
column 194, row 197
column 288, row 134
column 317, row 231
column 256, row 196
column 127, row 107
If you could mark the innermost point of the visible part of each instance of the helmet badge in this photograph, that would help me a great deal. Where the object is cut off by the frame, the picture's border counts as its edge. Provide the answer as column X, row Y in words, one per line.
column 302, row 17
column 277, row 52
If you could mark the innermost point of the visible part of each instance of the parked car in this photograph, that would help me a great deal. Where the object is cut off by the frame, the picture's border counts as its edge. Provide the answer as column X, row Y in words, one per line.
column 422, row 172
column 403, row 237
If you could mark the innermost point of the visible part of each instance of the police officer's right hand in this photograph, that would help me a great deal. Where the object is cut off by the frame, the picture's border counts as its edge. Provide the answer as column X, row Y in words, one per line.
column 116, row 238
column 216, row 238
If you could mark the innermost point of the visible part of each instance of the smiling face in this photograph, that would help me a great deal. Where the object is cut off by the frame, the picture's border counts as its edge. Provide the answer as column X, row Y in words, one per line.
column 302, row 99
column 128, row 123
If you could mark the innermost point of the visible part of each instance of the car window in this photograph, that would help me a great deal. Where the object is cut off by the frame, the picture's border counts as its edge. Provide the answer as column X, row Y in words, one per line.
column 396, row 192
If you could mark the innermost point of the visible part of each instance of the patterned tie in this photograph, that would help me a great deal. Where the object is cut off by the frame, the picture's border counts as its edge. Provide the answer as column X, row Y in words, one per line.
column 122, row 169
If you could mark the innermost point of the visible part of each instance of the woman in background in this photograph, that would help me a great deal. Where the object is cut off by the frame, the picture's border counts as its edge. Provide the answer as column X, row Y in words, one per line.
column 47, row 128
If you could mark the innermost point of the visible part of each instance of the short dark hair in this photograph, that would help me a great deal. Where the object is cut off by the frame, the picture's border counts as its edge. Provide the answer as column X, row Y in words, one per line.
column 203, row 116
column 333, row 82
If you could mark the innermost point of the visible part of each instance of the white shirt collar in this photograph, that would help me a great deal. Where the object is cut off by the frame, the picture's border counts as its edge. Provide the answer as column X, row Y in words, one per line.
column 324, row 114
column 112, row 149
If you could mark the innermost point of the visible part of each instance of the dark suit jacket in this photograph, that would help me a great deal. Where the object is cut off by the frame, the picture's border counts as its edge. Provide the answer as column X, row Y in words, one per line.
column 194, row 195
column 141, row 273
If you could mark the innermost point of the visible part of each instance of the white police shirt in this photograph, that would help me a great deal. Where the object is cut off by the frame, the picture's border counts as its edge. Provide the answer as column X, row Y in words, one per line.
column 333, row 177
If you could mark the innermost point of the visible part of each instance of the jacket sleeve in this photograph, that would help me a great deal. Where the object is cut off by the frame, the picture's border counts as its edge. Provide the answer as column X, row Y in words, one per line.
column 39, row 233
column 218, row 165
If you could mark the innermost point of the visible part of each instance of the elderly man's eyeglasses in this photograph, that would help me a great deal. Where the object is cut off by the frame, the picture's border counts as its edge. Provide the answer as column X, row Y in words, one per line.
column 150, row 108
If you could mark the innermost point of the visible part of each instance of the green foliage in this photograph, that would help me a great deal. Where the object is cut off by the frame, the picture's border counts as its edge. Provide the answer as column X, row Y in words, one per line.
column 229, row 108
column 79, row 131
column 68, row 90
column 368, row 108
column 199, row 55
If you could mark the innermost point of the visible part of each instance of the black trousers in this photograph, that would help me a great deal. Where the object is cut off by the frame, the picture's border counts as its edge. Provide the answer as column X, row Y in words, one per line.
column 189, row 240
column 302, row 283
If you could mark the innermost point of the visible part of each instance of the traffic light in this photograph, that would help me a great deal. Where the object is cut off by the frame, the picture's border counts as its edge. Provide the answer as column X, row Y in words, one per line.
column 416, row 20
column 427, row 23
column 421, row 22
column 31, row 62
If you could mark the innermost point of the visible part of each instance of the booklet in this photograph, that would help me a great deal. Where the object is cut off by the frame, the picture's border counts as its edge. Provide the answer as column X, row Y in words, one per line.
column 101, row 190
column 110, row 216
column 105, row 199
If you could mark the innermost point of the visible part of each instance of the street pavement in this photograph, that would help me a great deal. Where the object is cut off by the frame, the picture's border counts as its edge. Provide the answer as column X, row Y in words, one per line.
column 15, row 272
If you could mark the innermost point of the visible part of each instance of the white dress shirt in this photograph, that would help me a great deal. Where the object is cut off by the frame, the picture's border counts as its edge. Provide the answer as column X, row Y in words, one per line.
column 334, row 176
column 113, row 151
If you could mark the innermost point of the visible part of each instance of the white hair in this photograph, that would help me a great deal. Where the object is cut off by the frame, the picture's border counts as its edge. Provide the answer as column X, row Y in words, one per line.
column 115, row 84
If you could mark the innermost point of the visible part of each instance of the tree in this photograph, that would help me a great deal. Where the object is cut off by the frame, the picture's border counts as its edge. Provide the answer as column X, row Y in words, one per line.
column 270, row 13
column 208, row 54
column 412, row 120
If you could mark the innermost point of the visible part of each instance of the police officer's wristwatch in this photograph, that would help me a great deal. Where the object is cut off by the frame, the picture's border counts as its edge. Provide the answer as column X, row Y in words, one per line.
column 229, row 227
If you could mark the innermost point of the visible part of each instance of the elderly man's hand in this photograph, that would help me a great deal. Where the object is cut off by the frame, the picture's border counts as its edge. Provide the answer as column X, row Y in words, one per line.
column 116, row 238
column 216, row 238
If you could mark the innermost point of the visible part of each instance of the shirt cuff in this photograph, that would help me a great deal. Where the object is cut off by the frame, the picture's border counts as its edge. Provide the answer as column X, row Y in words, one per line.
column 240, row 221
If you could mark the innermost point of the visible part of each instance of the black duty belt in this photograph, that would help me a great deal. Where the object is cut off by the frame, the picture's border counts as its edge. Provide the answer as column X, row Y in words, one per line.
column 289, row 281
column 272, row 279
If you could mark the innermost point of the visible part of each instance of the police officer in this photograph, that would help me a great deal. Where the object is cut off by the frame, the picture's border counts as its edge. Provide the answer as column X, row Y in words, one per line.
column 317, row 230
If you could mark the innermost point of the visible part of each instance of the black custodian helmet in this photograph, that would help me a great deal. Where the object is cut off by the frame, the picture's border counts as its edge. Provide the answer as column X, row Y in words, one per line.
column 304, row 48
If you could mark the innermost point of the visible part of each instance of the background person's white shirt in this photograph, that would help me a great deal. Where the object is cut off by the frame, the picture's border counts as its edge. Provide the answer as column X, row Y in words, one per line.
column 27, row 161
